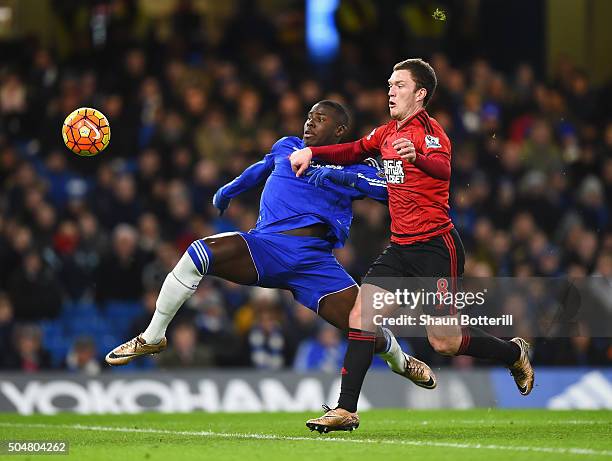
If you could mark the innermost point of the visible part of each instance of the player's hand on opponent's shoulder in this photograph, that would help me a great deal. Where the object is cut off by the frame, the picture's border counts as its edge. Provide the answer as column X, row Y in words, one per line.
column 220, row 201
column 405, row 149
column 300, row 160
column 343, row 178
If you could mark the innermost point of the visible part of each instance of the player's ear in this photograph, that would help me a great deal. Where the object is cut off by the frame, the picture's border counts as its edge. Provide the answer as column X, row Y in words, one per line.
column 341, row 130
column 420, row 94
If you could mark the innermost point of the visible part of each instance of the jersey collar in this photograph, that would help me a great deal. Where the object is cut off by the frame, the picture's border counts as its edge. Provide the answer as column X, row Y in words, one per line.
column 408, row 120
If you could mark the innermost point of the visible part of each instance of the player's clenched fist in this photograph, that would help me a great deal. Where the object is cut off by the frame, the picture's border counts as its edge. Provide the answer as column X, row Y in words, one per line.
column 405, row 149
column 300, row 160
column 220, row 201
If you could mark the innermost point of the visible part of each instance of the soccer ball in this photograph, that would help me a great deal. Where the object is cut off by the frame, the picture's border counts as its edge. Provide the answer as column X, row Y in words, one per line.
column 86, row 132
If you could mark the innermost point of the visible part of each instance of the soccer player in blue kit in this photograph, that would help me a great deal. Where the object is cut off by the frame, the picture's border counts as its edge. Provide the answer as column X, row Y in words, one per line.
column 290, row 248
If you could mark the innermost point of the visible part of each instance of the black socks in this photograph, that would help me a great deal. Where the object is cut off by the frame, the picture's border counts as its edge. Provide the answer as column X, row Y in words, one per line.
column 482, row 345
column 356, row 363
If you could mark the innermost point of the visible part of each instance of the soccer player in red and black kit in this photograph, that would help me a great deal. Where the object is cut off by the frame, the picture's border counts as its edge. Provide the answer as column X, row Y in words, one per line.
column 416, row 154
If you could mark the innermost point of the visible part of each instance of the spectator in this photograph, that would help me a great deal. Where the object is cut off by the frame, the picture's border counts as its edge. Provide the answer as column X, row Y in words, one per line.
column 28, row 354
column 125, row 205
column 34, row 290
column 82, row 357
column 215, row 329
column 155, row 272
column 267, row 345
column 7, row 324
column 120, row 272
column 184, row 350
column 323, row 353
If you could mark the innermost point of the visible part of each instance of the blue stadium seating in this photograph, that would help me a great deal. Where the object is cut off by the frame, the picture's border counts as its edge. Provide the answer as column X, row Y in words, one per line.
column 108, row 327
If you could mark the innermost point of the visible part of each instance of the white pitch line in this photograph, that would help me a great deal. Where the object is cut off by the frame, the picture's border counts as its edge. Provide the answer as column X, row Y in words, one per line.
column 232, row 435
column 572, row 422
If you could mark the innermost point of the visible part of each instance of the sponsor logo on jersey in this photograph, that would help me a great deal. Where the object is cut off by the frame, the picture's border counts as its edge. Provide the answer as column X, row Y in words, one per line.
column 394, row 171
column 432, row 142
column 316, row 164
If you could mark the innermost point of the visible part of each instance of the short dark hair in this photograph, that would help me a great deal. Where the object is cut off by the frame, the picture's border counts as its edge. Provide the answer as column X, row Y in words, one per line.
column 341, row 112
column 422, row 73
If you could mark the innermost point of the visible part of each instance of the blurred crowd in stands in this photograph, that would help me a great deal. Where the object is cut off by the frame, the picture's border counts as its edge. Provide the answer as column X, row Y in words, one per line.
column 85, row 243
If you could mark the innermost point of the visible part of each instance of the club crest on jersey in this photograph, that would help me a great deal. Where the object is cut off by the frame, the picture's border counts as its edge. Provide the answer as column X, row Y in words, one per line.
column 432, row 142
column 394, row 171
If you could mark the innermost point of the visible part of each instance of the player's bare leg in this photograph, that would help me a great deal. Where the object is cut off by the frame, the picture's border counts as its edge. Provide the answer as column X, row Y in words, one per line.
column 445, row 338
column 224, row 255
column 232, row 259
column 336, row 308
column 454, row 340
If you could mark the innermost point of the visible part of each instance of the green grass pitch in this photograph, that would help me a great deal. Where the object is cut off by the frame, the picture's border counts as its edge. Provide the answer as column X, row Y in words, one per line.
column 384, row 435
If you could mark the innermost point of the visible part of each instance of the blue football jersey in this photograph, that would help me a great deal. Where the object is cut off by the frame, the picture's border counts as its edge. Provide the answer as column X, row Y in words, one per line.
column 289, row 202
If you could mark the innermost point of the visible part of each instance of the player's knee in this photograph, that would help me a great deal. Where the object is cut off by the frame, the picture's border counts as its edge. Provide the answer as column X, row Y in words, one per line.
column 201, row 256
column 194, row 264
column 445, row 345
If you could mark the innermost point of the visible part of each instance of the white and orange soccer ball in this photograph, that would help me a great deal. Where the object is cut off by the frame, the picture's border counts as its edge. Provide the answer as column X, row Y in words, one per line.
column 86, row 132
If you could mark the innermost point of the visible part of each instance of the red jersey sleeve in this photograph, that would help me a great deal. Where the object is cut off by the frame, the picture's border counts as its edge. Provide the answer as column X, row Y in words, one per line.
column 372, row 142
column 433, row 150
column 351, row 152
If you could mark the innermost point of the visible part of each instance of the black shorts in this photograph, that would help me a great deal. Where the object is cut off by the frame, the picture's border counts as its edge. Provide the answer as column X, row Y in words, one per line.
column 442, row 257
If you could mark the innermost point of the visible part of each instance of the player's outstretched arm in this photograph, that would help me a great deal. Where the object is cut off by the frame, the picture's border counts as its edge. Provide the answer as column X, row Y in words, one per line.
column 251, row 177
column 364, row 179
column 338, row 154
